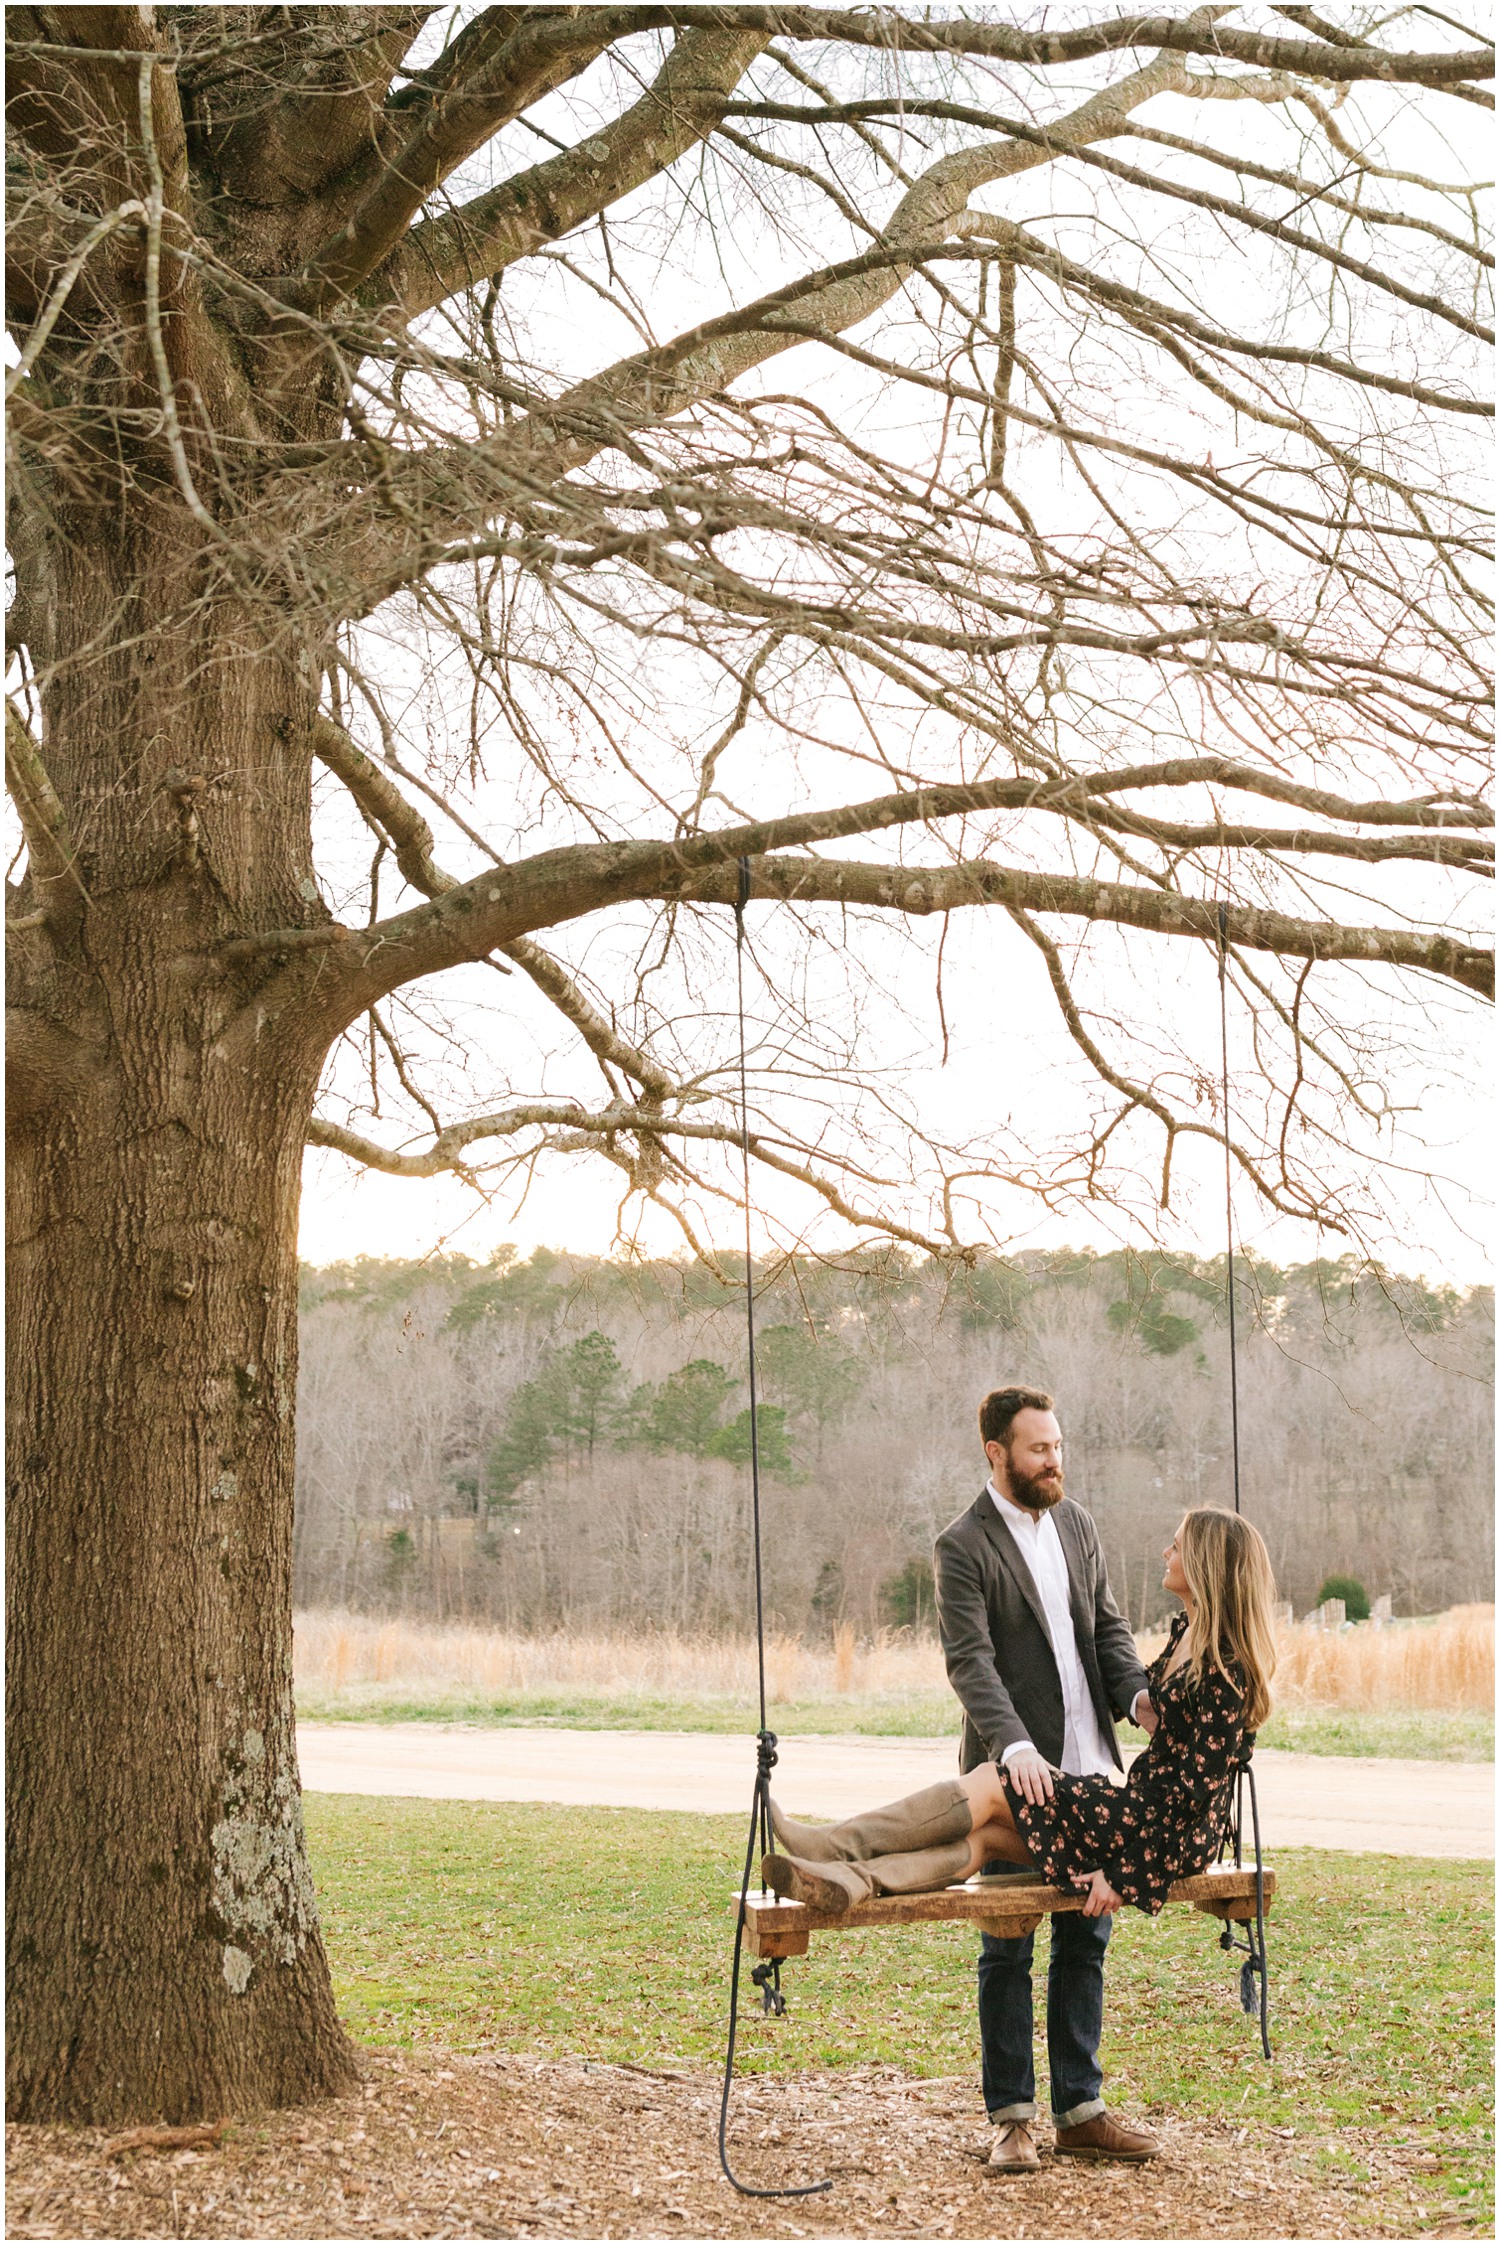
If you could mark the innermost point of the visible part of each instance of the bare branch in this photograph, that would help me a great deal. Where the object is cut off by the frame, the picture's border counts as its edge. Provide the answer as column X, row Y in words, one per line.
column 601, row 1036
column 451, row 1143
column 1236, row 213
column 950, row 888
column 55, row 880
column 679, row 109
column 656, row 385
column 499, row 906
column 284, row 943
column 383, row 802
column 1436, row 849
column 513, row 61
column 47, row 319
column 411, row 837
column 1201, row 33
column 1029, row 249
column 578, row 1130
column 1140, row 1095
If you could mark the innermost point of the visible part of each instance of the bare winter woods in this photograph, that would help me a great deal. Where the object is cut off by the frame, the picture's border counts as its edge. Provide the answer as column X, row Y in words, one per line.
column 559, row 1442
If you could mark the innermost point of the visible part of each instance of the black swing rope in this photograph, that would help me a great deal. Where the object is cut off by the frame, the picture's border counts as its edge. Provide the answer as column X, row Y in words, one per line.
column 767, row 1974
column 1254, row 1980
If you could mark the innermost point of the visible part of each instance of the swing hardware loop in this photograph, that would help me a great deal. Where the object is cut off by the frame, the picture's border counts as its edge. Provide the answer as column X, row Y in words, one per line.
column 767, row 1977
column 1249, row 1995
column 766, row 1743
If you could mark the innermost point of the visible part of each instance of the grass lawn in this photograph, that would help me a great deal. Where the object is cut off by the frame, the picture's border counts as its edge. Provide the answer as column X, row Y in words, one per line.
column 1414, row 1733
column 605, row 1934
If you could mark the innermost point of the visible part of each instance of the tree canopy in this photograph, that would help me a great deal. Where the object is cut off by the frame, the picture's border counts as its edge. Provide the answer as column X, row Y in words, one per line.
column 666, row 437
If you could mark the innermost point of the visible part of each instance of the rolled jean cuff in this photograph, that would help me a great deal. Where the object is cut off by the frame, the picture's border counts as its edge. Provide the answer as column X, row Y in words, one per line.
column 1079, row 2114
column 1008, row 2113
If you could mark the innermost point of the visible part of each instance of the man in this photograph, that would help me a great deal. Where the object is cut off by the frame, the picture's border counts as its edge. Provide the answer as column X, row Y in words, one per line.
column 1041, row 1659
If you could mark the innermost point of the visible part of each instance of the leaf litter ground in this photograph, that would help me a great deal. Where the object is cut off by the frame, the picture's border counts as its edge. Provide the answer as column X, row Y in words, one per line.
column 515, row 2147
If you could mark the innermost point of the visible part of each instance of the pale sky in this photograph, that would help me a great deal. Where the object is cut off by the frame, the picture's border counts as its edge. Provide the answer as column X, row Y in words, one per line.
column 1023, row 1080
column 989, row 1079
column 1010, row 1068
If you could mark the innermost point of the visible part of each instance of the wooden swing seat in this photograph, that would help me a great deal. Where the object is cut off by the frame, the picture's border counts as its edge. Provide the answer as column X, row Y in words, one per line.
column 774, row 1928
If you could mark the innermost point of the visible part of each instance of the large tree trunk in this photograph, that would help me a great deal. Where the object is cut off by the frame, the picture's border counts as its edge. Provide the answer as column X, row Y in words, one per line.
column 165, row 1957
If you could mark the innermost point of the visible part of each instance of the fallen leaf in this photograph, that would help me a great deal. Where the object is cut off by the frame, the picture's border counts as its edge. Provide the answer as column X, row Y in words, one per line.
column 200, row 2136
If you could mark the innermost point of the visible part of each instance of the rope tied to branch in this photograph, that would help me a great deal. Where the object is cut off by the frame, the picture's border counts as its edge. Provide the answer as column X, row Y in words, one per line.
column 767, row 1975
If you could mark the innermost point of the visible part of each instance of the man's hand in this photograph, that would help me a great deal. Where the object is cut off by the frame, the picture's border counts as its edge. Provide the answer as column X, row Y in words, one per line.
column 1144, row 1714
column 1101, row 1901
column 1031, row 1775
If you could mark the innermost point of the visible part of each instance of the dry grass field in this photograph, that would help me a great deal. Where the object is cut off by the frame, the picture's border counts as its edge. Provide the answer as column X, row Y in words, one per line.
column 1445, row 1662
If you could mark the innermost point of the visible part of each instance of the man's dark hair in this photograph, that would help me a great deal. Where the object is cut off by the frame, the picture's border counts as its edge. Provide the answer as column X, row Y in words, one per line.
column 1000, row 1406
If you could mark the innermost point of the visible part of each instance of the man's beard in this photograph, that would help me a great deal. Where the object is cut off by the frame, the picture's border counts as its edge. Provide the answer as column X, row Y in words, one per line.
column 1038, row 1492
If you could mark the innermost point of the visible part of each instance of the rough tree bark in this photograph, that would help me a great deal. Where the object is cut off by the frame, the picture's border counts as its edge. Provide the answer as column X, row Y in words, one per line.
column 165, row 1954
column 222, row 217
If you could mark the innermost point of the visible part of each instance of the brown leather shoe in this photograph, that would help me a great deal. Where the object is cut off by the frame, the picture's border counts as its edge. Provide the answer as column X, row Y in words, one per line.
column 1104, row 2137
column 1014, row 2150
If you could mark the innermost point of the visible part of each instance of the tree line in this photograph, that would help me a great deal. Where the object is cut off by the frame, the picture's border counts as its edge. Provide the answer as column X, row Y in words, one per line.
column 564, row 1441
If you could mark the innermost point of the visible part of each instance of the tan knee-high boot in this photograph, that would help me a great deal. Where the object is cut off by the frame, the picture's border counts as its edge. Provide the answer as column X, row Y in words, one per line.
column 834, row 1885
column 937, row 1814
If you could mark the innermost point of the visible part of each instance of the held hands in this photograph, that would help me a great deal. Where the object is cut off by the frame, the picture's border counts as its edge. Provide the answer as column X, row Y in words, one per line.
column 1144, row 1714
column 1032, row 1775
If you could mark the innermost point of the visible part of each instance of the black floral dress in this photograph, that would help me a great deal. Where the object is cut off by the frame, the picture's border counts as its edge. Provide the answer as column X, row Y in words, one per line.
column 1169, row 1818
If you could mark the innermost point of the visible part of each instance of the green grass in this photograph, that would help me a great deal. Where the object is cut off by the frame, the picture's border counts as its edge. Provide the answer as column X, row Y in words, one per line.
column 896, row 1715
column 1416, row 1734
column 606, row 1934
column 1409, row 1732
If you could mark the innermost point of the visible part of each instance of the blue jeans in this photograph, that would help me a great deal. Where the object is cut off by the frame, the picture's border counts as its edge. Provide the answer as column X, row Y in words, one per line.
column 1075, row 2021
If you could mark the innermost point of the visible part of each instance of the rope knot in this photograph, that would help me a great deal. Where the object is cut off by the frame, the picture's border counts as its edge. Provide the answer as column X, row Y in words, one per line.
column 765, row 1753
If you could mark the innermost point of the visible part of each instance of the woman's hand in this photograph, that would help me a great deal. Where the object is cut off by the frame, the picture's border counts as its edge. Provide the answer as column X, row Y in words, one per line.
column 1101, row 1901
column 1144, row 1714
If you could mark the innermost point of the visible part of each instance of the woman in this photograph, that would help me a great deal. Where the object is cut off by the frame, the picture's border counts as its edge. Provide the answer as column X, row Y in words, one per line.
column 1124, row 1843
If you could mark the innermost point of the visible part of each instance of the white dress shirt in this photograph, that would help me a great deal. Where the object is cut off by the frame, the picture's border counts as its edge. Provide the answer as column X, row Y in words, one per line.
column 1085, row 1748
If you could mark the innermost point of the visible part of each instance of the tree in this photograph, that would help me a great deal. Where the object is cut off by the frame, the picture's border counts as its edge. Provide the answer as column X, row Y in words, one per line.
column 1145, row 1309
column 569, row 1406
column 1353, row 1593
column 765, row 1437
column 811, row 1374
column 508, row 1287
column 908, row 1598
column 685, row 1411
column 1104, row 551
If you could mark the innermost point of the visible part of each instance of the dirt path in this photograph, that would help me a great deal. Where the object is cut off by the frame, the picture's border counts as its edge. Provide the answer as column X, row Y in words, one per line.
column 519, row 2147
column 1306, row 1800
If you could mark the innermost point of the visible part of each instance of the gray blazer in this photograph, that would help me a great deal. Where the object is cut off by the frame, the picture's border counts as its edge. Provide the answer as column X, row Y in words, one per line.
column 995, row 1638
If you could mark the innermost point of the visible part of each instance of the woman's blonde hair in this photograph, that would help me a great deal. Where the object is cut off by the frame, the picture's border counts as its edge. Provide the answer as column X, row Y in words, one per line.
column 1228, row 1570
